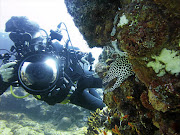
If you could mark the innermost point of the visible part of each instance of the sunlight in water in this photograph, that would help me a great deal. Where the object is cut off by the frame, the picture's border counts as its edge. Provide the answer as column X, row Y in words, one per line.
column 48, row 14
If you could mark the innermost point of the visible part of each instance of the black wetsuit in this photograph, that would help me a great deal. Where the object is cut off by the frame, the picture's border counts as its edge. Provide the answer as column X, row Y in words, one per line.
column 84, row 78
column 88, row 99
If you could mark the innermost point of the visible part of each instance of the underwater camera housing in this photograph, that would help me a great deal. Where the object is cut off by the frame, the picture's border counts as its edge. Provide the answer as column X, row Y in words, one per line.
column 39, row 72
column 39, row 65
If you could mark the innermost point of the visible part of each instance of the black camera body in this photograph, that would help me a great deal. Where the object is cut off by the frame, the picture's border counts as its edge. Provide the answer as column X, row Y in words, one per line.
column 39, row 66
column 43, row 66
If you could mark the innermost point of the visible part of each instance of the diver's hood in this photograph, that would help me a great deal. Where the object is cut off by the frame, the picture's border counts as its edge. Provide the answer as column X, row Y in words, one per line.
column 38, row 73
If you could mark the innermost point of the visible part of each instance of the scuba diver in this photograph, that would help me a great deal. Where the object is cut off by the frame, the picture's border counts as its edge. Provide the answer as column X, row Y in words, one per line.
column 48, row 70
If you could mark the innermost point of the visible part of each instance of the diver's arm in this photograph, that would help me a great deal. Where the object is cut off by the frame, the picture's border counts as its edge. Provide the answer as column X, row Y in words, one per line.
column 86, row 100
column 6, row 74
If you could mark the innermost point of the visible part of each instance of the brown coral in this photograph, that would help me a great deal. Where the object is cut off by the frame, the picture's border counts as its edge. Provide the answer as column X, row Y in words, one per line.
column 147, row 28
column 145, row 101
column 94, row 19
column 162, row 96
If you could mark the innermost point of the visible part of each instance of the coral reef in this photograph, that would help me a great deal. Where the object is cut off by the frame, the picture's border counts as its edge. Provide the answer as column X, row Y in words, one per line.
column 171, row 5
column 139, row 67
column 147, row 34
column 20, row 124
column 170, row 61
column 93, row 18
column 30, row 116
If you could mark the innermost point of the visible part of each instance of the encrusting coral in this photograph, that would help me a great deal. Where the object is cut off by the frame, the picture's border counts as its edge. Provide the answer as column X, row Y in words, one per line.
column 168, row 60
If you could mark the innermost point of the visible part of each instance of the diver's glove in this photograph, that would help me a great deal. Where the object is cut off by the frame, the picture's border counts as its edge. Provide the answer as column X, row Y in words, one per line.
column 84, row 61
column 7, row 71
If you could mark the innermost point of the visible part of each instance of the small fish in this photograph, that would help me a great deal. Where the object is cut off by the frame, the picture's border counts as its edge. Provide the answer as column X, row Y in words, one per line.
column 104, row 132
column 117, row 130
column 125, row 116
column 115, row 115
column 109, row 120
column 138, row 132
column 130, row 124
column 130, row 97
column 115, row 99
column 113, row 130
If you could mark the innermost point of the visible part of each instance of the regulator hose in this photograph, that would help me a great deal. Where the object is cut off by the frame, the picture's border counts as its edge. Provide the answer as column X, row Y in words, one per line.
column 11, row 89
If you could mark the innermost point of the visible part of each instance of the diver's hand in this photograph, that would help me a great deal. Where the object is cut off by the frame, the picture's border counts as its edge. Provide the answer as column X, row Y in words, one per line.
column 6, row 71
column 84, row 61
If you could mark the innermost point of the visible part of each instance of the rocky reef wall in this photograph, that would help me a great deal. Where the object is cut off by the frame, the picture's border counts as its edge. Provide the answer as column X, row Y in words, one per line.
column 139, row 65
column 29, row 116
